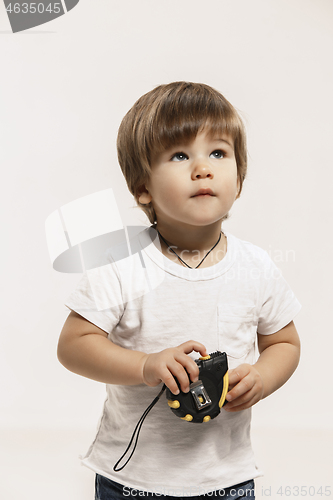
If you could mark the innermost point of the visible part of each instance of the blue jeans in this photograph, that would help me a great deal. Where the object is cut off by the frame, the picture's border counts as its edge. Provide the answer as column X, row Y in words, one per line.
column 105, row 489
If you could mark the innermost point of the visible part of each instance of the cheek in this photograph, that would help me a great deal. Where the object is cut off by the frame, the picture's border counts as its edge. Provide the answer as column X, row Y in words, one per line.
column 229, row 183
column 165, row 190
column 168, row 200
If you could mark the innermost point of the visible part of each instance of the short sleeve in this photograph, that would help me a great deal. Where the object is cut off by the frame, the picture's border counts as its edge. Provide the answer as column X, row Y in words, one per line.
column 279, row 304
column 98, row 297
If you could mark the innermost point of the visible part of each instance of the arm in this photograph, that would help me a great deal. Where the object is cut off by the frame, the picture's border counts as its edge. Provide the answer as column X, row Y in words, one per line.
column 279, row 357
column 85, row 349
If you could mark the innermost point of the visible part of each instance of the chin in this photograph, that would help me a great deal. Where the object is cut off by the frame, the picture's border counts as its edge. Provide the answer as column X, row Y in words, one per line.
column 202, row 222
column 209, row 220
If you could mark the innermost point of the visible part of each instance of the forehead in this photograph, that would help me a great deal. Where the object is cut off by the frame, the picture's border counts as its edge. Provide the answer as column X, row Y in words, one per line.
column 217, row 136
column 204, row 137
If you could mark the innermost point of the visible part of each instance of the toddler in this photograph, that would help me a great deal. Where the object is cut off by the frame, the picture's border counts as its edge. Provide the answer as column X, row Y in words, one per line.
column 193, row 288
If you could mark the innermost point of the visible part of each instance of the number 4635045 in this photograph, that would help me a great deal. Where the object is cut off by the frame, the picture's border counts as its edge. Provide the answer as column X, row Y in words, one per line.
column 303, row 491
column 34, row 8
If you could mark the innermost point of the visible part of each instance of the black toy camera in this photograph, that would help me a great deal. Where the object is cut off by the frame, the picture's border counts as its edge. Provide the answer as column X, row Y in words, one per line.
column 206, row 397
column 202, row 403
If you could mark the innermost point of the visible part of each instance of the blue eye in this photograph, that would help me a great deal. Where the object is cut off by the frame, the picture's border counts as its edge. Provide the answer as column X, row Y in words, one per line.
column 179, row 157
column 217, row 154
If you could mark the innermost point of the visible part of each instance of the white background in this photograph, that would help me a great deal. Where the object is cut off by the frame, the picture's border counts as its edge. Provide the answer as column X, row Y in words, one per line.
column 64, row 89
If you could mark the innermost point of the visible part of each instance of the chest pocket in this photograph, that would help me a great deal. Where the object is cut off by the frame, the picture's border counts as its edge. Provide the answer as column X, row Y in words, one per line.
column 237, row 327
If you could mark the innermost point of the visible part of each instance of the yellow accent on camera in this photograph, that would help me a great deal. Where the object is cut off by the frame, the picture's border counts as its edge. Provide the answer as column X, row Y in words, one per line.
column 173, row 403
column 187, row 417
column 203, row 358
column 206, row 418
column 225, row 389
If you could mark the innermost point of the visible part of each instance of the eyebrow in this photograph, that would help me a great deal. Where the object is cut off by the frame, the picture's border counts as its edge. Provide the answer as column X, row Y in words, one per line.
column 223, row 140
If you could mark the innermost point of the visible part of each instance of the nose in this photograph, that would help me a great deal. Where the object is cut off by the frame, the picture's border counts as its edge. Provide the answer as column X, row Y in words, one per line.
column 202, row 170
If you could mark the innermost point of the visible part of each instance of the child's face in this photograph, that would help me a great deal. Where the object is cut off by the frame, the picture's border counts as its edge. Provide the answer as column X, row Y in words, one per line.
column 180, row 173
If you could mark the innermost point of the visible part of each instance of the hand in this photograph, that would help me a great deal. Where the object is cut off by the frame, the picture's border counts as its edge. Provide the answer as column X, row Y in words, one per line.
column 246, row 386
column 163, row 366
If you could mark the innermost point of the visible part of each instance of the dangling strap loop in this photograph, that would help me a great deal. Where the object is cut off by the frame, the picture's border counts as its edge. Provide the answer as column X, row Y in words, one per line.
column 137, row 430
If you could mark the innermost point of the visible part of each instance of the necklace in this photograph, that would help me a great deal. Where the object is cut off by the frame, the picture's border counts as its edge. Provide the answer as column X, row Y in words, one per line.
column 181, row 260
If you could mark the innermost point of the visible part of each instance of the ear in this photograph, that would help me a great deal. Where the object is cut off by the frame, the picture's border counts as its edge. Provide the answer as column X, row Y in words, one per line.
column 144, row 197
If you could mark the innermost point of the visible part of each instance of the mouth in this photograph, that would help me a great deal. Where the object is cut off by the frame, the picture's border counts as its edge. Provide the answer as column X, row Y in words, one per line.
column 203, row 192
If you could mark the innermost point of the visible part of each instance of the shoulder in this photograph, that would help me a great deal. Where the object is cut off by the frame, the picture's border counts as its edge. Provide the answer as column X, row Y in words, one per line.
column 247, row 252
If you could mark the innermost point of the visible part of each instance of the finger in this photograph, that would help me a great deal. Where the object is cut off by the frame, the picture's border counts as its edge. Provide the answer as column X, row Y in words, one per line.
column 234, row 377
column 193, row 345
column 169, row 381
column 177, row 369
column 244, row 398
column 236, row 374
column 189, row 365
column 243, row 406
column 244, row 386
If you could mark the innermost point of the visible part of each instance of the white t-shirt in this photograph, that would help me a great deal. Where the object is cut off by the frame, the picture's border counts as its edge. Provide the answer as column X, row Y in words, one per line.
column 148, row 303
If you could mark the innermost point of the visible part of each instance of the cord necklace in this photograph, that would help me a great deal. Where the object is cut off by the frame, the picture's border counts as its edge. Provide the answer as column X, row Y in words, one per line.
column 181, row 260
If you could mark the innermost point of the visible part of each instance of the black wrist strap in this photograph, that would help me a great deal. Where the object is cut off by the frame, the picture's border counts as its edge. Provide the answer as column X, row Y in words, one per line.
column 136, row 432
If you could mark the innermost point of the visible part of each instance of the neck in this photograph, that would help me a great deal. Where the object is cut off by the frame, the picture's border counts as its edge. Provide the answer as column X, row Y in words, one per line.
column 192, row 244
column 191, row 238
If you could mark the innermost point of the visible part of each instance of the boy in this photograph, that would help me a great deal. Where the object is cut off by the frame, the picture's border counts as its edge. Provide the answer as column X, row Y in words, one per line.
column 134, row 322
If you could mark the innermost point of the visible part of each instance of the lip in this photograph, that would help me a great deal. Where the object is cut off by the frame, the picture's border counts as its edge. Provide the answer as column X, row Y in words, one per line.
column 204, row 192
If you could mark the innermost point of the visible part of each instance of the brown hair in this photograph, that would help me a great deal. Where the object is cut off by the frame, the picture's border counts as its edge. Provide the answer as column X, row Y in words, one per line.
column 170, row 114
